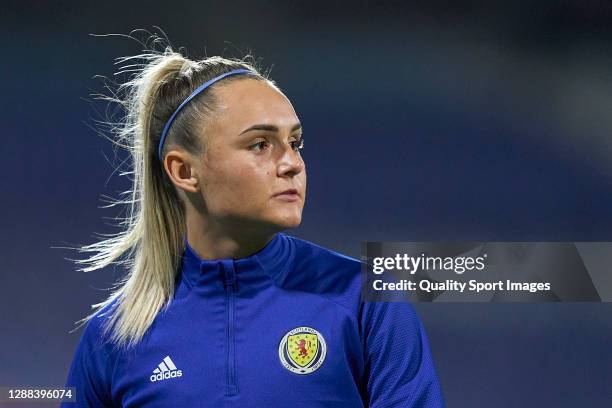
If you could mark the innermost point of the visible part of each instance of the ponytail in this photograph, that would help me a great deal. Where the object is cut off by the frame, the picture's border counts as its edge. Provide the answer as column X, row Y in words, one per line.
column 151, row 242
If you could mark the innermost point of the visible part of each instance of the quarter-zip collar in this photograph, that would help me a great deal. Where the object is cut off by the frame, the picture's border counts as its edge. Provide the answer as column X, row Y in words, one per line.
column 269, row 263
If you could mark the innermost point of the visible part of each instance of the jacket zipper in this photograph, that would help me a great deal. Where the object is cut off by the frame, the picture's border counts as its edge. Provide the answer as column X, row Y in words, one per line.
column 230, row 363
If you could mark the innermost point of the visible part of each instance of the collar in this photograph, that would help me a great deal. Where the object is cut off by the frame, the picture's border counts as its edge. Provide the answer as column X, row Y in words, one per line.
column 268, row 264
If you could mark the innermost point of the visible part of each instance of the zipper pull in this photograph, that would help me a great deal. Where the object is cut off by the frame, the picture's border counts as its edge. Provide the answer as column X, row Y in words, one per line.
column 230, row 273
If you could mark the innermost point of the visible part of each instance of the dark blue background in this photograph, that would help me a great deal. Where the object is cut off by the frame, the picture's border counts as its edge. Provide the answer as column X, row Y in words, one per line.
column 429, row 121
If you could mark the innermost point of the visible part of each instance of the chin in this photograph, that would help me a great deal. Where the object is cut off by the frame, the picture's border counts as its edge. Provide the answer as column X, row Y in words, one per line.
column 290, row 223
column 286, row 221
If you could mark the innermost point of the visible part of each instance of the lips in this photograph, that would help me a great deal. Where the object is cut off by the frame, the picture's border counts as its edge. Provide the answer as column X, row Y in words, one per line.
column 290, row 196
column 290, row 193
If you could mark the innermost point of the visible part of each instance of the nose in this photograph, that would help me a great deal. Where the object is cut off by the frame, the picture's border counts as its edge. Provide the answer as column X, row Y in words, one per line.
column 290, row 163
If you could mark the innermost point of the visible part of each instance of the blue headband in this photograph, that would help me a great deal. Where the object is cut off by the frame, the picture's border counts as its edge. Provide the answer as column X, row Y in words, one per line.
column 190, row 97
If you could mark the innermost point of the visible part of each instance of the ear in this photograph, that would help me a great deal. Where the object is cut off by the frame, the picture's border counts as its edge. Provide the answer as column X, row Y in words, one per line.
column 180, row 167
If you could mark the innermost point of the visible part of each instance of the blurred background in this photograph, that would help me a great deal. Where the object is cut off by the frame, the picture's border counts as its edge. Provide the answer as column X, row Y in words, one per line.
column 433, row 120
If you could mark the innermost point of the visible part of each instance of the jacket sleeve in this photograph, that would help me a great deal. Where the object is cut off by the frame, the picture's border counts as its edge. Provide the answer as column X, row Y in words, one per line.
column 91, row 369
column 399, row 370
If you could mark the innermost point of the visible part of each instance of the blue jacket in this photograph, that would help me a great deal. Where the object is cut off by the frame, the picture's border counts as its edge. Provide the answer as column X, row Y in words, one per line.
column 284, row 327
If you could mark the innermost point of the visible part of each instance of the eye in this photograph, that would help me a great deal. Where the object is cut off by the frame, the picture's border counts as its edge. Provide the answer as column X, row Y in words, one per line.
column 259, row 146
column 297, row 144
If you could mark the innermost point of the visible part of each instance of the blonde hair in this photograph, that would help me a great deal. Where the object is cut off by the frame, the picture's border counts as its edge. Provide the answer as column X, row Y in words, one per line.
column 151, row 242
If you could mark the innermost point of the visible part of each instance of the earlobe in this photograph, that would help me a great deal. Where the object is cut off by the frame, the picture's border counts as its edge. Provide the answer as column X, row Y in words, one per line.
column 193, row 182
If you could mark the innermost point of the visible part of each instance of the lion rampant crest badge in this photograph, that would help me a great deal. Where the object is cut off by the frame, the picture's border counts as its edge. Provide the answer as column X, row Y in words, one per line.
column 302, row 350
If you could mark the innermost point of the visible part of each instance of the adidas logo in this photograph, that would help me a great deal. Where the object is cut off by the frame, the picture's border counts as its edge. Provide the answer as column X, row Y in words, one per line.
column 166, row 369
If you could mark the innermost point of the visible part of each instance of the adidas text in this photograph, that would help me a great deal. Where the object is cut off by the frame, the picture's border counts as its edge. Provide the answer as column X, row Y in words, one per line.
column 166, row 375
column 166, row 369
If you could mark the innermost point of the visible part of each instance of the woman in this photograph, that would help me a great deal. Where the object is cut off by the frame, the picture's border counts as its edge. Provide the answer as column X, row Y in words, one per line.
column 219, row 307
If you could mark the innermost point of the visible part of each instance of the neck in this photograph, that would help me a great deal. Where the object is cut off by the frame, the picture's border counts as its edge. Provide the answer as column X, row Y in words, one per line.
column 214, row 240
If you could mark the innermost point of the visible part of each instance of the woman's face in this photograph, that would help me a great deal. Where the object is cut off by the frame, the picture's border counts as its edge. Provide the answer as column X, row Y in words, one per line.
column 251, row 154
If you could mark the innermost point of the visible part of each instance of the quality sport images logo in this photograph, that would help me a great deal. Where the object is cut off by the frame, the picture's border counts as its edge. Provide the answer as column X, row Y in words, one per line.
column 302, row 350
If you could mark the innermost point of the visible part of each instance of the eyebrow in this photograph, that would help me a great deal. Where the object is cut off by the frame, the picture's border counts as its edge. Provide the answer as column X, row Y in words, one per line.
column 270, row 128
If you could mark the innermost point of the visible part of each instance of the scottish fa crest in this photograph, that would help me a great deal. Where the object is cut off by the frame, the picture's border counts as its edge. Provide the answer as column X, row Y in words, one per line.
column 302, row 350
